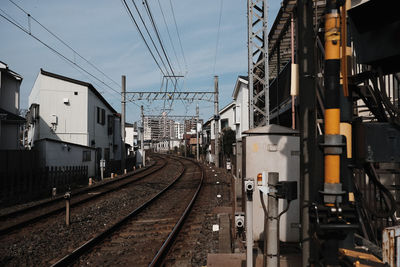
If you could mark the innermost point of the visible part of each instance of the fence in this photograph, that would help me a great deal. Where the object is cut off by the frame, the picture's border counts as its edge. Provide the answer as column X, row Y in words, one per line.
column 23, row 179
column 114, row 166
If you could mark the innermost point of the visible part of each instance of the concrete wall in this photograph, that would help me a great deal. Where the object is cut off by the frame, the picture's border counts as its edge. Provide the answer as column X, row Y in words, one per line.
column 61, row 154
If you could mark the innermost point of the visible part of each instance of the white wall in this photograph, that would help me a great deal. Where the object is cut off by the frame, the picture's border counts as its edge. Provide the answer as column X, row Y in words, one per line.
column 228, row 114
column 58, row 154
column 75, row 121
column 71, row 119
column 242, row 110
column 131, row 136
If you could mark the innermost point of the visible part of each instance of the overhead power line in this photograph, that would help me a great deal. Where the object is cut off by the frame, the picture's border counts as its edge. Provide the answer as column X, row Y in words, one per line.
column 158, row 35
column 218, row 32
column 55, row 51
column 64, row 43
column 128, row 10
column 169, row 36
column 177, row 32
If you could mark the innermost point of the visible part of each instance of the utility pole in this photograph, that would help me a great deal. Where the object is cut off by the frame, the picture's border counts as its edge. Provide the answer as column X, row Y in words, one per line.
column 197, row 131
column 309, row 159
column 216, row 121
column 142, row 137
column 123, row 118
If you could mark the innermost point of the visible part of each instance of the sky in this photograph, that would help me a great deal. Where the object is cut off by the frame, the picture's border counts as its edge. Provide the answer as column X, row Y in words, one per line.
column 101, row 31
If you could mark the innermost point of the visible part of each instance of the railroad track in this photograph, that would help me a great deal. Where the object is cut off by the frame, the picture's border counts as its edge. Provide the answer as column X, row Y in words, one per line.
column 144, row 236
column 26, row 216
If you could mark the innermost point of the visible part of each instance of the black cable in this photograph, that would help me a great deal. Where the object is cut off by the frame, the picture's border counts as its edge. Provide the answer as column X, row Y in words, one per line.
column 54, row 50
column 177, row 32
column 369, row 168
column 158, row 35
column 141, row 34
column 219, row 28
column 169, row 36
column 64, row 43
column 265, row 227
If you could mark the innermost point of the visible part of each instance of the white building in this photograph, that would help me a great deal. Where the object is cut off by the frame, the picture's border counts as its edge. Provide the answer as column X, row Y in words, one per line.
column 241, row 98
column 131, row 137
column 179, row 130
column 10, row 121
column 73, row 111
column 227, row 120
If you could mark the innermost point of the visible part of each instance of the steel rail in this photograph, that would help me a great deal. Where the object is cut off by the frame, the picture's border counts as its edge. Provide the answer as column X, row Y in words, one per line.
column 74, row 255
column 49, row 213
column 162, row 253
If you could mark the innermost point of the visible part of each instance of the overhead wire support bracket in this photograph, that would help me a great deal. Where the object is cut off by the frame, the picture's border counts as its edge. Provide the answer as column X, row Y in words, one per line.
column 188, row 96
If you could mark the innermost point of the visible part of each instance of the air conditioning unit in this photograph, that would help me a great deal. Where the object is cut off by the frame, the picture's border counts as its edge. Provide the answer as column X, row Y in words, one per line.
column 53, row 119
column 66, row 100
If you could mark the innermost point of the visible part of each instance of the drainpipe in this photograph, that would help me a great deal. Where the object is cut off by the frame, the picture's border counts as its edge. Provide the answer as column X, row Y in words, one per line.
column 332, row 139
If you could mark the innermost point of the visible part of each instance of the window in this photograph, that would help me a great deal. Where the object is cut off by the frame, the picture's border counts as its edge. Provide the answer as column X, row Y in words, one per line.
column 87, row 155
column 237, row 114
column 224, row 124
column 75, row 93
column 101, row 116
column 110, row 124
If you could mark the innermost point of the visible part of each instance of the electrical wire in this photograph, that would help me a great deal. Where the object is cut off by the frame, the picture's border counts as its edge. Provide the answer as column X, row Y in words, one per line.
column 128, row 10
column 169, row 36
column 55, row 51
column 158, row 35
column 64, row 43
column 218, row 33
column 177, row 32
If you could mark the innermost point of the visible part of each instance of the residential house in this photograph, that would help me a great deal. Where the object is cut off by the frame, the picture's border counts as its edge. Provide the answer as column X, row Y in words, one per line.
column 227, row 119
column 73, row 112
column 10, row 121
column 241, row 110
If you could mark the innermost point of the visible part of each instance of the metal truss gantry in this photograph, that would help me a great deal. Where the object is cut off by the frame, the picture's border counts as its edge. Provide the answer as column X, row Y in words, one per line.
column 185, row 96
column 258, row 63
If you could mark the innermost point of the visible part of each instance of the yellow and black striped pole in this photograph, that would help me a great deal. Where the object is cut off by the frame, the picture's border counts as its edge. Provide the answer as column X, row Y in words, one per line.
column 333, row 139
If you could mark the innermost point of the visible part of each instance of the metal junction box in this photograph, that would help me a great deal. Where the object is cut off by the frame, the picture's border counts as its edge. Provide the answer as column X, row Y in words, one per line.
column 273, row 148
column 376, row 142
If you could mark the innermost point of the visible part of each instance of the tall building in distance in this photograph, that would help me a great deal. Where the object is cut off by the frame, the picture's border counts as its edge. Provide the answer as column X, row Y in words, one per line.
column 178, row 130
column 190, row 125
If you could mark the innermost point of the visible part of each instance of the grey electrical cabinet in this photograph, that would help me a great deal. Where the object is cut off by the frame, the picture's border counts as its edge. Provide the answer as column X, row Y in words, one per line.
column 273, row 148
